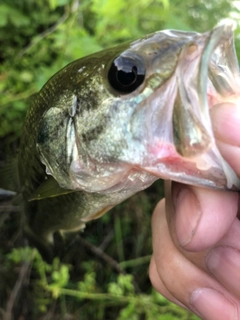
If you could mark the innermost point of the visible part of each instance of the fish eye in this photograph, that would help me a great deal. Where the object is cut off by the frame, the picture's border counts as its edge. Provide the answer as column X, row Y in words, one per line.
column 126, row 74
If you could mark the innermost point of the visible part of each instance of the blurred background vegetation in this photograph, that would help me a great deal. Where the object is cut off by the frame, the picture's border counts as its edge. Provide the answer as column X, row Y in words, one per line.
column 107, row 276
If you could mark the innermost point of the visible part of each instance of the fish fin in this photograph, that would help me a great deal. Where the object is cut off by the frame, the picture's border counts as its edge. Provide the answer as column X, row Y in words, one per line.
column 9, row 178
column 6, row 194
column 49, row 189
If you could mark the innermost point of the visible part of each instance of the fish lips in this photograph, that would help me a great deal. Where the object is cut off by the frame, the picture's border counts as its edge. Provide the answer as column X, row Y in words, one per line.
column 172, row 134
column 182, row 146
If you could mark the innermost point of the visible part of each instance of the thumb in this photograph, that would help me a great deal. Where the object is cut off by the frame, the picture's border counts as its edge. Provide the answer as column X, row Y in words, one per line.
column 198, row 218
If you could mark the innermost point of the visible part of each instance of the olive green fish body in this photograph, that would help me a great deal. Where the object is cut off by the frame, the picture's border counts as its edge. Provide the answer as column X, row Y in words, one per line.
column 70, row 211
column 109, row 125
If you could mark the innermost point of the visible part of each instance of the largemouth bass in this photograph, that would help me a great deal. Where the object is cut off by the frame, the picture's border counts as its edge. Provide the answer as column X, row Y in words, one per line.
column 108, row 125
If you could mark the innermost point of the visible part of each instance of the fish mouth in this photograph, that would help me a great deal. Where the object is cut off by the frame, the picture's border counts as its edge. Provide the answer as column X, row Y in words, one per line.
column 207, row 74
column 164, row 131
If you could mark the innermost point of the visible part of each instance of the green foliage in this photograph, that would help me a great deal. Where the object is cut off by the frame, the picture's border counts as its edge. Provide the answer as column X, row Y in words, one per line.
column 39, row 37
column 53, row 282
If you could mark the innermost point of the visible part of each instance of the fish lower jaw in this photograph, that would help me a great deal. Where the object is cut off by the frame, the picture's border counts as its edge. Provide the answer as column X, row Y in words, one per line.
column 165, row 153
column 207, row 169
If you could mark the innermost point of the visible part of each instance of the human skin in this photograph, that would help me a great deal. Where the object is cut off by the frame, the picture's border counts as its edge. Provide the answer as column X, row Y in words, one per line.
column 196, row 236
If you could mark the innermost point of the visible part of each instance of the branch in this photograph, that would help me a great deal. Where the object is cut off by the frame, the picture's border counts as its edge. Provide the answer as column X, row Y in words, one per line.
column 102, row 255
column 43, row 35
column 16, row 290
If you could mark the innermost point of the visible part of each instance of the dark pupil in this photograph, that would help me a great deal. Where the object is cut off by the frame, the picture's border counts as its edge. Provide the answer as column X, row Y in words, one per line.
column 127, row 78
column 125, row 81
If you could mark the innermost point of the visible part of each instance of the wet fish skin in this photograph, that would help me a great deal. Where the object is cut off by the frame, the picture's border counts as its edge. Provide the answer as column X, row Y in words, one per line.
column 87, row 146
column 68, row 211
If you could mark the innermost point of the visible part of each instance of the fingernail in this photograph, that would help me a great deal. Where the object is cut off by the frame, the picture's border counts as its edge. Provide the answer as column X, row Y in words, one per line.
column 224, row 264
column 226, row 122
column 188, row 213
column 231, row 154
column 211, row 304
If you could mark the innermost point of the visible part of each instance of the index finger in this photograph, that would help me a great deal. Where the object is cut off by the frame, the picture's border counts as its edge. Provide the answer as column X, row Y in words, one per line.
column 226, row 125
column 198, row 218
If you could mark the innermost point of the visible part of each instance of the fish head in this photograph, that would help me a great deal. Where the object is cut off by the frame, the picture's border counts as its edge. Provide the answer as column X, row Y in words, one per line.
column 127, row 116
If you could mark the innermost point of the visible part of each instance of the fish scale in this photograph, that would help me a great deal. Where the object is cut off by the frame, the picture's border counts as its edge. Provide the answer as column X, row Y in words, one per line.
column 108, row 125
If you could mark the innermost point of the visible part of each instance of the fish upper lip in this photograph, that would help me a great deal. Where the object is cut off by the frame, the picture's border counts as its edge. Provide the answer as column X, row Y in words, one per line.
column 178, row 97
column 200, row 161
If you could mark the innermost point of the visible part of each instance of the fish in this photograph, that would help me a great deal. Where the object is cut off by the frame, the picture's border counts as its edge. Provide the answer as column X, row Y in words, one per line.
column 108, row 125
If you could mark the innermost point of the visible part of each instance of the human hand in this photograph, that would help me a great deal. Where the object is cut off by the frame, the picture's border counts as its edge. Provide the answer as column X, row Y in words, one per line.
column 196, row 236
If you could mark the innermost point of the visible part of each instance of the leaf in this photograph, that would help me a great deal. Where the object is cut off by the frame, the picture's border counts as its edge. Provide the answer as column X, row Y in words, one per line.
column 4, row 13
column 18, row 19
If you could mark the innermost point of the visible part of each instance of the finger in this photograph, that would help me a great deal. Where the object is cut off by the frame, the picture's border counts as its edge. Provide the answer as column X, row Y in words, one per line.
column 159, row 286
column 223, row 261
column 198, row 218
column 218, row 218
column 184, row 281
column 226, row 123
